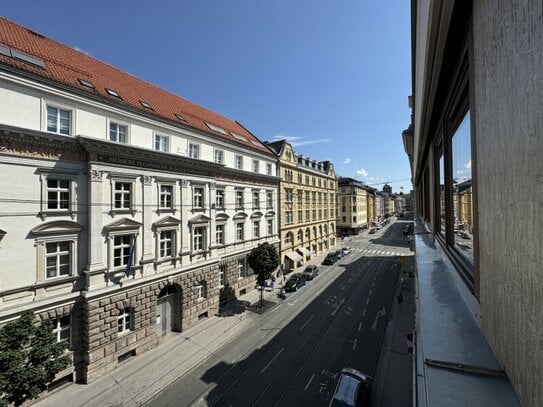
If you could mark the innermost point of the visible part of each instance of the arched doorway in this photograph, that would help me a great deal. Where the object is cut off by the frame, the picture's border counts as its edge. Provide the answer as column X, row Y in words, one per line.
column 167, row 310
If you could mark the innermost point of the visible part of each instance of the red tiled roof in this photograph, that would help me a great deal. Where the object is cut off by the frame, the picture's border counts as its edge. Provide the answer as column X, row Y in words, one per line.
column 66, row 66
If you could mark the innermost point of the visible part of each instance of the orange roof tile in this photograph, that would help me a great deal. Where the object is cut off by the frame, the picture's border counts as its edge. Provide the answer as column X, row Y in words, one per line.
column 66, row 66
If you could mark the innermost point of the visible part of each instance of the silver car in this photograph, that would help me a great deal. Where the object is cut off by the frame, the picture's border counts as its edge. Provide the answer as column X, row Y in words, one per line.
column 353, row 389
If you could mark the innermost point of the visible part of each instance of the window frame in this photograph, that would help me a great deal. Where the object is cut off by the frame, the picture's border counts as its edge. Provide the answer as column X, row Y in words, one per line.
column 198, row 196
column 198, row 248
column 240, row 232
column 218, row 156
column 255, row 166
column 119, row 124
column 59, row 107
column 125, row 321
column 161, row 142
column 193, row 150
column 47, row 174
column 58, row 329
column 238, row 162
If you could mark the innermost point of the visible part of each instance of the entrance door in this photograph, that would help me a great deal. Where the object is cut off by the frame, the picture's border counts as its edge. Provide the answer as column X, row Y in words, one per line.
column 165, row 311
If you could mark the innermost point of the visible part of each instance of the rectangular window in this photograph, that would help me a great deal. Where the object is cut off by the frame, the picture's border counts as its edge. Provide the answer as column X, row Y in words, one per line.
column 222, row 276
column 166, row 193
column 123, row 193
column 288, row 195
column 300, row 217
column 198, row 197
column 58, row 120
column 219, row 198
column 256, row 229
column 219, row 235
column 198, row 239
column 58, row 194
column 289, row 217
column 270, row 226
column 194, row 150
column 124, row 321
column 162, row 143
column 300, row 196
column 239, row 162
column 219, row 156
column 241, row 269
column 256, row 199
column 307, row 215
column 269, row 200
column 166, row 243
column 256, row 166
column 239, row 232
column 269, row 169
column 239, row 200
column 58, row 259
column 121, row 250
column 117, row 132
column 62, row 329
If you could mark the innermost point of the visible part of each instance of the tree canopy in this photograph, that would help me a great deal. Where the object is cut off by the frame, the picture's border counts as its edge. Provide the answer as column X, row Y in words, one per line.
column 263, row 259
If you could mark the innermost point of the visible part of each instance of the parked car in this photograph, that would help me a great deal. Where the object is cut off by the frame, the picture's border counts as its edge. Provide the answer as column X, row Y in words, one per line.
column 372, row 230
column 330, row 259
column 353, row 389
column 311, row 272
column 339, row 254
column 346, row 250
column 294, row 283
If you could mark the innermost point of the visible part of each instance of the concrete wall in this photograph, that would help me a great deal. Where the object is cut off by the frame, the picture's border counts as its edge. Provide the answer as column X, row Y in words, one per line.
column 509, row 141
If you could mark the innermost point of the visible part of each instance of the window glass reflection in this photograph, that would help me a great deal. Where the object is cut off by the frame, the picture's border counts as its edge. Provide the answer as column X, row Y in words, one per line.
column 442, row 194
column 462, row 188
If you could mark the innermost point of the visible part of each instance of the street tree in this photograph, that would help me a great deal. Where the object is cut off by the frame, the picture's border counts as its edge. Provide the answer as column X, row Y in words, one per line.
column 263, row 259
column 30, row 357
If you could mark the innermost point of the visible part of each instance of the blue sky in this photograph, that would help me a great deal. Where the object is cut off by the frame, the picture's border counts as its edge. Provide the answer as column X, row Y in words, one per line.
column 330, row 76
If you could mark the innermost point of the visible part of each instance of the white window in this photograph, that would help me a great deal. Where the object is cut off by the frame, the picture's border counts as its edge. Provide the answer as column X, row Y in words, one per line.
column 219, row 156
column 198, row 197
column 162, row 143
column 256, row 199
column 270, row 226
column 198, row 239
column 122, row 246
column 124, row 321
column 256, row 229
column 166, row 193
column 58, row 259
column 288, row 217
column 194, row 150
column 201, row 290
column 239, row 199
column 118, row 132
column 269, row 169
column 289, row 238
column 288, row 195
column 219, row 198
column 241, row 269
column 256, row 165
column 239, row 162
column 166, row 243
column 123, row 193
column 239, row 232
column 58, row 120
column 269, row 200
column 222, row 276
column 61, row 329
column 219, row 234
column 58, row 194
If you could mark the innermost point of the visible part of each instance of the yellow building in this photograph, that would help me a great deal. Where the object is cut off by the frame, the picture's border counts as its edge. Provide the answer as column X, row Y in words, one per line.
column 307, row 202
column 356, row 206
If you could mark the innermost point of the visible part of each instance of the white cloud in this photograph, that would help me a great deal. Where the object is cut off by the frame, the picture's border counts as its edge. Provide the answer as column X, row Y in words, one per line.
column 347, row 161
column 468, row 165
column 362, row 172
column 305, row 143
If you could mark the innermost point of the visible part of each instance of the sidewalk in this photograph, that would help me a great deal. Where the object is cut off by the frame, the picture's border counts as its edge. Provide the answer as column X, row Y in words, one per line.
column 138, row 379
column 394, row 374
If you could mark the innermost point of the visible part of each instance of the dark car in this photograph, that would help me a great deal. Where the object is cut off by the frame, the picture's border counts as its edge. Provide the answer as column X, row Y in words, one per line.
column 372, row 231
column 310, row 272
column 339, row 254
column 330, row 259
column 294, row 283
column 353, row 389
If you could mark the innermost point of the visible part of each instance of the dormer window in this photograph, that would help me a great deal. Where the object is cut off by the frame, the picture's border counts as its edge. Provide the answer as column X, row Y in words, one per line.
column 113, row 93
column 86, row 84
column 180, row 117
column 146, row 105
column 216, row 128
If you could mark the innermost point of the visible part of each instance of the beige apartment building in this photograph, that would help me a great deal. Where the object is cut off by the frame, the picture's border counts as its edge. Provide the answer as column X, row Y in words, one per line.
column 356, row 206
column 307, row 202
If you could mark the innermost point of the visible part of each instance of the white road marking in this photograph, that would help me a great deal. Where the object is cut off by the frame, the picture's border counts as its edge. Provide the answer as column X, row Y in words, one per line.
column 354, row 344
column 309, row 382
column 306, row 322
column 359, row 326
column 337, row 306
column 328, row 299
column 367, row 301
column 270, row 362
column 371, row 290
column 381, row 313
column 364, row 313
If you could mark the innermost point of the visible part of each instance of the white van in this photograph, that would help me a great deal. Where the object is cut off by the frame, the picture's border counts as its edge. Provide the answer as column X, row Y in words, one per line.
column 353, row 389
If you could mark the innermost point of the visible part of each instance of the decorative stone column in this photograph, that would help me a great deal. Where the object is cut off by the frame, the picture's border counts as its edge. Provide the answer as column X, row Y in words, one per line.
column 147, row 237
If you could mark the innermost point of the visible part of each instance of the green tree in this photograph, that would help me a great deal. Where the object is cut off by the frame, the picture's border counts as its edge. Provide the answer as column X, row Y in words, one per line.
column 263, row 259
column 30, row 357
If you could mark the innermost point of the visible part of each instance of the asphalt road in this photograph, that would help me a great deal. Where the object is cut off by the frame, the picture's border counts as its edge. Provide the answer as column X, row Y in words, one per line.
column 293, row 355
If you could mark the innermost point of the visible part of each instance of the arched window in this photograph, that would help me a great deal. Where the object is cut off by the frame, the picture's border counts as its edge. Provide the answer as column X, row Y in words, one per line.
column 325, row 229
column 300, row 235
column 289, row 238
column 308, row 234
column 124, row 321
column 314, row 231
column 320, row 230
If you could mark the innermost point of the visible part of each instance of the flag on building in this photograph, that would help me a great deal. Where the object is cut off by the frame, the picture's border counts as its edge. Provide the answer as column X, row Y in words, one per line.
column 130, row 259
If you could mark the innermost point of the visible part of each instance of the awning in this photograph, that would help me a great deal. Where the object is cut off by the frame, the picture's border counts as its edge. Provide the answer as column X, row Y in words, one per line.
column 294, row 256
column 304, row 251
